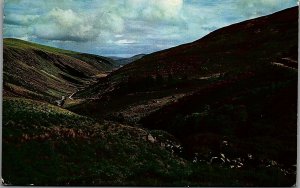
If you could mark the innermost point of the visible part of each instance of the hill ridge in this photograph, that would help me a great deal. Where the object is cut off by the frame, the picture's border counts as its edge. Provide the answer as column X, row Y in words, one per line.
column 47, row 73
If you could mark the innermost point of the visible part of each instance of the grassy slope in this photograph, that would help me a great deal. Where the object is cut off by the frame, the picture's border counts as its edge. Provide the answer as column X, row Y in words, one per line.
column 47, row 145
column 41, row 72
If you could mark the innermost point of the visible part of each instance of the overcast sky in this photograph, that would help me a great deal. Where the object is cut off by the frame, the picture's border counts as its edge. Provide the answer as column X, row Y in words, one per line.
column 126, row 27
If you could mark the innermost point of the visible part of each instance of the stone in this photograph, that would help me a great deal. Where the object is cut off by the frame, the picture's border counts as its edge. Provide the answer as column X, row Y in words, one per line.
column 151, row 138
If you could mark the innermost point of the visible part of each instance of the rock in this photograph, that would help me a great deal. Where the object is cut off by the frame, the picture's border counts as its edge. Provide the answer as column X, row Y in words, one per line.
column 217, row 161
column 222, row 155
column 151, row 138
column 225, row 143
column 60, row 102
column 195, row 160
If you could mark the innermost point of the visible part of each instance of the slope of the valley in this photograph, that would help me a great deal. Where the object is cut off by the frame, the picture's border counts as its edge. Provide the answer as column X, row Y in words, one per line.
column 125, row 61
column 239, row 46
column 40, row 72
column 165, row 76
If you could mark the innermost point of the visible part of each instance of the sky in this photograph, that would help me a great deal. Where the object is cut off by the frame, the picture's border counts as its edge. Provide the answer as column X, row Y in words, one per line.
column 125, row 28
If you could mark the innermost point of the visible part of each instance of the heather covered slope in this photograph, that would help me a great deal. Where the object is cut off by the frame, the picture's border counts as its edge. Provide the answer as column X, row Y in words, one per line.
column 239, row 46
column 45, row 73
column 248, row 46
column 250, row 114
column 250, row 110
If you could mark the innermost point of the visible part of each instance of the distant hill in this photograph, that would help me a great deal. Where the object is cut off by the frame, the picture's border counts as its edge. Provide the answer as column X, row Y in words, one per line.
column 46, row 73
column 124, row 61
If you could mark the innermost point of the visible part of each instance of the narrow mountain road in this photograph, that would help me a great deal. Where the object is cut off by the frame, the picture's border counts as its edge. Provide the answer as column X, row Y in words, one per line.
column 70, row 97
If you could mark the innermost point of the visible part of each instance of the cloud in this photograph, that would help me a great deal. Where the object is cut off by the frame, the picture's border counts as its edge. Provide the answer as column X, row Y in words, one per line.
column 162, row 10
column 118, row 36
column 125, row 42
column 109, row 18
column 67, row 25
column 16, row 19
column 12, row 1
column 16, row 31
column 126, row 26
column 255, row 8
column 145, row 9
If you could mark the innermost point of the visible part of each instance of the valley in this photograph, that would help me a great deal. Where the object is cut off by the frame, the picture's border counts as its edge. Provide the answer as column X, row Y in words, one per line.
column 220, row 111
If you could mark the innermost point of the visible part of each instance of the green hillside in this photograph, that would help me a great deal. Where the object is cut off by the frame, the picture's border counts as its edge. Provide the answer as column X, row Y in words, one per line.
column 49, row 146
column 45, row 73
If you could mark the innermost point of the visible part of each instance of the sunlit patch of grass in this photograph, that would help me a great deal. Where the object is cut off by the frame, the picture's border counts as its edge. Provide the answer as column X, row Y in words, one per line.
column 29, row 45
column 28, row 112
column 70, row 103
column 21, row 90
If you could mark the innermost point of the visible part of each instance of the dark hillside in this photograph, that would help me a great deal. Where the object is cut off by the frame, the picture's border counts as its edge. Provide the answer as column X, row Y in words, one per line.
column 256, row 113
column 249, row 46
column 239, row 46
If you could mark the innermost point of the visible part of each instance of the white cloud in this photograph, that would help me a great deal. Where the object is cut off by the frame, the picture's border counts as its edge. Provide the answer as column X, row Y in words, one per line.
column 17, row 19
column 118, row 36
column 106, row 20
column 125, row 42
column 162, row 10
column 65, row 25
column 65, row 18
column 68, row 25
